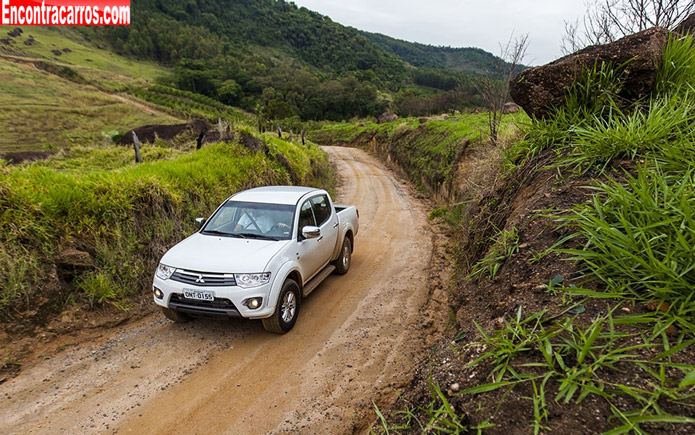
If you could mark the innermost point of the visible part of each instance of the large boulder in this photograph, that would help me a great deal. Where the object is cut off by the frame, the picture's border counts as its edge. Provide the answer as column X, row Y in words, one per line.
column 686, row 26
column 541, row 88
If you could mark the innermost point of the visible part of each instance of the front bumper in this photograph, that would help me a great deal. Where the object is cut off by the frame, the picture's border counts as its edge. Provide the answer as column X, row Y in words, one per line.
column 229, row 301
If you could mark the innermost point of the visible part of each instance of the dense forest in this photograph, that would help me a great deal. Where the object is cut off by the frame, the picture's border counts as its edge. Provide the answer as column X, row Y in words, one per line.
column 467, row 59
column 282, row 61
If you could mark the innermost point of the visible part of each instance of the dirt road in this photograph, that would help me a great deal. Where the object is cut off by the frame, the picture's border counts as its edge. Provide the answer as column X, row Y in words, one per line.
column 355, row 343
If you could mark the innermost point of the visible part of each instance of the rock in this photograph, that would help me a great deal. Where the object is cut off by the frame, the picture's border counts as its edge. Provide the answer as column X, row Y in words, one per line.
column 510, row 108
column 15, row 32
column 30, row 41
column 253, row 143
column 455, row 387
column 387, row 116
column 541, row 88
column 71, row 258
column 67, row 50
column 686, row 26
column 18, row 157
column 148, row 133
column 6, row 41
column 56, row 52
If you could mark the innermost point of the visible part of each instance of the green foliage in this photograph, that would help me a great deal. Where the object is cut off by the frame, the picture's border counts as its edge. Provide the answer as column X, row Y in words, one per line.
column 595, row 126
column 639, row 235
column 128, row 213
column 427, row 151
column 471, row 60
column 677, row 73
column 270, row 55
column 576, row 362
column 189, row 104
column 32, row 118
column 506, row 244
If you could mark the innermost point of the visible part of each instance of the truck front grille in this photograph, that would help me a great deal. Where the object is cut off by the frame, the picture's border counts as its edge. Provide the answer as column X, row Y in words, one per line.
column 204, row 279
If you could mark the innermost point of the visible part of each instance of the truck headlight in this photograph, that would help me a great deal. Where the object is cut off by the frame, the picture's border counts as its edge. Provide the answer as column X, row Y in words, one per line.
column 246, row 280
column 164, row 271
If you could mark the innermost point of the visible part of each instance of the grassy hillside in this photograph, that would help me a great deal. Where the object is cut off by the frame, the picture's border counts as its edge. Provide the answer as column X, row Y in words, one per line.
column 572, row 299
column 429, row 150
column 53, row 101
column 121, row 214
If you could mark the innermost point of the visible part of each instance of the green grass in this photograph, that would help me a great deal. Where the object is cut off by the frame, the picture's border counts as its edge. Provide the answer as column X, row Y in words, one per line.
column 85, row 57
column 127, row 213
column 577, row 360
column 506, row 244
column 427, row 152
column 42, row 110
column 639, row 235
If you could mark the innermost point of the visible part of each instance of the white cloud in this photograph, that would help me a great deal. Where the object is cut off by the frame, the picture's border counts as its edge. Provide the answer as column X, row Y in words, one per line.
column 462, row 23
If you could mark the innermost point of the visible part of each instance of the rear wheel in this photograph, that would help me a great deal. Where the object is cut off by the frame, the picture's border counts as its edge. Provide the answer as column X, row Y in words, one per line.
column 175, row 316
column 342, row 264
column 286, row 310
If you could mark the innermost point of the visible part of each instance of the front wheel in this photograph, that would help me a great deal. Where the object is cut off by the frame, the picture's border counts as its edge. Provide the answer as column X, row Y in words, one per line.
column 342, row 264
column 286, row 310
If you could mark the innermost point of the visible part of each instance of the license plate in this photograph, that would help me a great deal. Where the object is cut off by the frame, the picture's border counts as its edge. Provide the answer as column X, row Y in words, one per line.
column 199, row 295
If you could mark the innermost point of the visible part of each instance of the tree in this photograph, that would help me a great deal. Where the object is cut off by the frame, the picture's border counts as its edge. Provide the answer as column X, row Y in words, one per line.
column 609, row 20
column 494, row 85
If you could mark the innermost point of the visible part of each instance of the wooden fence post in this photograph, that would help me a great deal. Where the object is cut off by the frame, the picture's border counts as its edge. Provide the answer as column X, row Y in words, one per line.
column 136, row 145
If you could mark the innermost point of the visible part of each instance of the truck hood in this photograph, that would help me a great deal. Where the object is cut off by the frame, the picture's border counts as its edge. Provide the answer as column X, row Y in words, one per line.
column 205, row 253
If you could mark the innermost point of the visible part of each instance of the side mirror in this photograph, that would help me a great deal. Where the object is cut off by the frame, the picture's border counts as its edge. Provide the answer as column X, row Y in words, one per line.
column 200, row 222
column 311, row 232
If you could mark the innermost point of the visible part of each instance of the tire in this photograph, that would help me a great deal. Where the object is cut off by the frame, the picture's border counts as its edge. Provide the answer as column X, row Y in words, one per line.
column 342, row 264
column 175, row 316
column 286, row 310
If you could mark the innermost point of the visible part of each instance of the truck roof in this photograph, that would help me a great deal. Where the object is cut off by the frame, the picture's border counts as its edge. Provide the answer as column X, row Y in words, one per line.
column 289, row 195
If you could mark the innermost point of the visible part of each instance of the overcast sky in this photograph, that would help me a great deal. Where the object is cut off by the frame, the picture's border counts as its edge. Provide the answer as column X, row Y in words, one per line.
column 460, row 23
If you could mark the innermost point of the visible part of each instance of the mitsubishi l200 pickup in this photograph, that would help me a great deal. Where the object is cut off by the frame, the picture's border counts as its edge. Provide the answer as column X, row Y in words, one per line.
column 259, row 254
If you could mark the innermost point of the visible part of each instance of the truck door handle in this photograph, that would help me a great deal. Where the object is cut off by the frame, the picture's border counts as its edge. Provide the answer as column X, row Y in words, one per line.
column 335, row 225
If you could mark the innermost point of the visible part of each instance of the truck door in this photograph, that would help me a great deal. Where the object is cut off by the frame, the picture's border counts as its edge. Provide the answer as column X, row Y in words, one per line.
column 327, row 220
column 307, row 249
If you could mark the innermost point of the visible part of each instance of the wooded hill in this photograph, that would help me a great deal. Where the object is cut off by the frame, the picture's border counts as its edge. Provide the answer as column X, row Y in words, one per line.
column 281, row 61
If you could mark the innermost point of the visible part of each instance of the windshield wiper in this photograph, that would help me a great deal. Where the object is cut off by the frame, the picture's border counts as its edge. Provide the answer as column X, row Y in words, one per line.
column 256, row 236
column 217, row 233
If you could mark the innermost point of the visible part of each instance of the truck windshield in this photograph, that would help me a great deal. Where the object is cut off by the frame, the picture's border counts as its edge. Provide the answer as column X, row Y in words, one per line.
column 252, row 220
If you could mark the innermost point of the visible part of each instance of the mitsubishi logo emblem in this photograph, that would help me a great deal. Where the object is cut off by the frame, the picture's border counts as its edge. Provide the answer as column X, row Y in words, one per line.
column 200, row 279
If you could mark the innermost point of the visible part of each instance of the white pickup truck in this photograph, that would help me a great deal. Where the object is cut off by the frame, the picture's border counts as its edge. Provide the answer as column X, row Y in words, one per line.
column 257, row 257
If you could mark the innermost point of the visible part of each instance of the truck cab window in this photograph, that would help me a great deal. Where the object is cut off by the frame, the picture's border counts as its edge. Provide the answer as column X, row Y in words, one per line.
column 321, row 209
column 306, row 216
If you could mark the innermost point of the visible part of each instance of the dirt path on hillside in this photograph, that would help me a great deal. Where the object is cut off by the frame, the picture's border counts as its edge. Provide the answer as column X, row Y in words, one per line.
column 356, row 342
column 136, row 104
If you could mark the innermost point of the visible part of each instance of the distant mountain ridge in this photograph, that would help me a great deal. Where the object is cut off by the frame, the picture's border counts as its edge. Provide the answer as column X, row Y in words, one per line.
column 280, row 61
column 466, row 59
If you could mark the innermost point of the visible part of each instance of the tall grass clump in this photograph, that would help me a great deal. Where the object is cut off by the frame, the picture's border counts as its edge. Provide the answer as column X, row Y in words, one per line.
column 639, row 235
column 677, row 72
column 595, row 125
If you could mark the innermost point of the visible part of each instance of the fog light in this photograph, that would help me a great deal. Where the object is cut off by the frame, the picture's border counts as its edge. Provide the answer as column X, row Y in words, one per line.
column 253, row 303
column 157, row 293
